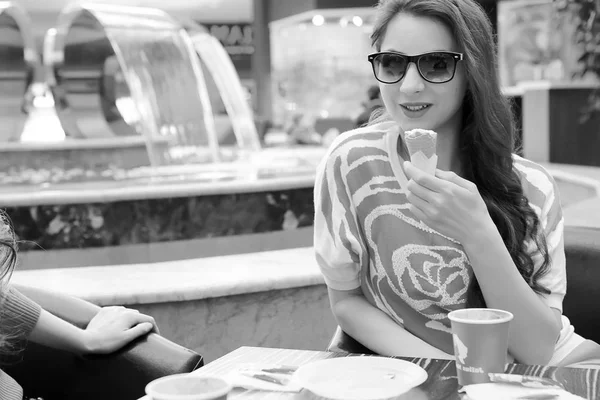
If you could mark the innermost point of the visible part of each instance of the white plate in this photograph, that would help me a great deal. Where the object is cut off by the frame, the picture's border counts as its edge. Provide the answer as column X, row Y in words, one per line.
column 365, row 378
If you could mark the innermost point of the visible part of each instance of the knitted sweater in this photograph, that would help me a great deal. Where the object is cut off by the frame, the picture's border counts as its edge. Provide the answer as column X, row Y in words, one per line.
column 18, row 317
column 366, row 237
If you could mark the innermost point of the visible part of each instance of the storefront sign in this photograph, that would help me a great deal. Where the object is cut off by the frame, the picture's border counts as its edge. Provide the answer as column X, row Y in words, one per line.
column 236, row 38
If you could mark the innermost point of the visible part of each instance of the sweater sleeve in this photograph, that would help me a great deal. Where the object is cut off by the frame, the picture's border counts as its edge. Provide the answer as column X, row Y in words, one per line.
column 544, row 198
column 18, row 314
column 336, row 234
column 552, row 226
column 18, row 317
column 9, row 388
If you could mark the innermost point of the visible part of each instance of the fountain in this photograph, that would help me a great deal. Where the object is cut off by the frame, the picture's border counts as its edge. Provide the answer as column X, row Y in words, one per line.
column 19, row 58
column 141, row 161
column 223, row 71
column 153, row 81
column 132, row 72
column 130, row 92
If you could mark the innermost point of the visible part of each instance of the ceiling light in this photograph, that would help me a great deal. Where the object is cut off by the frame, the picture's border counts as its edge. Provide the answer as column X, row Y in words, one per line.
column 318, row 20
column 356, row 20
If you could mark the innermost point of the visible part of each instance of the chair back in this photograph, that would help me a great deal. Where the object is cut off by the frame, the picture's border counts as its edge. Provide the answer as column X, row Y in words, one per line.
column 582, row 302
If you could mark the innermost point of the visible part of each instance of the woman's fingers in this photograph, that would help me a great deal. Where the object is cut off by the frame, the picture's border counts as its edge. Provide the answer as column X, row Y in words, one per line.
column 114, row 327
column 143, row 318
column 137, row 331
column 456, row 179
column 437, row 183
column 120, row 316
column 135, row 318
column 419, row 207
column 424, row 179
column 422, row 192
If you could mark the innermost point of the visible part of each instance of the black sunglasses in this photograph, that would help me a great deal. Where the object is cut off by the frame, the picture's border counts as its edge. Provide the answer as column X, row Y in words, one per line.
column 435, row 67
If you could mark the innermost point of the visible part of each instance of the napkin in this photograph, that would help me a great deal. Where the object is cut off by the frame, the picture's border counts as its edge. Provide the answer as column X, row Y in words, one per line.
column 242, row 377
column 421, row 145
column 507, row 391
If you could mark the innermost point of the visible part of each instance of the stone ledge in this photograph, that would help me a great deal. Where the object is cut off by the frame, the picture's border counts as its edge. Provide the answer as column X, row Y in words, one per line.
column 183, row 280
column 583, row 176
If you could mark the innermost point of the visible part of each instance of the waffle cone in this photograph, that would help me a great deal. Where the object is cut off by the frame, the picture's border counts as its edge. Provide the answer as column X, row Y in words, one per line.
column 421, row 145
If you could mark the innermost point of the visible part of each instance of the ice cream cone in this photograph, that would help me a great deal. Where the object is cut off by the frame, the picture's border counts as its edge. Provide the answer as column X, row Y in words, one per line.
column 421, row 146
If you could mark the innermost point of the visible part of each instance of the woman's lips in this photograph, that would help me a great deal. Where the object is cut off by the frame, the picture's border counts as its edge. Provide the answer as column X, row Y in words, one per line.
column 415, row 110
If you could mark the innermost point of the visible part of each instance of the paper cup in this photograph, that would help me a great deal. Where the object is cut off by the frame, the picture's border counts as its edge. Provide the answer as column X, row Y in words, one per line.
column 480, row 338
column 188, row 387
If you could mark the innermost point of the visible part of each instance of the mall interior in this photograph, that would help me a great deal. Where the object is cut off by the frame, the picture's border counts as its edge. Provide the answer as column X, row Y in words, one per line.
column 161, row 155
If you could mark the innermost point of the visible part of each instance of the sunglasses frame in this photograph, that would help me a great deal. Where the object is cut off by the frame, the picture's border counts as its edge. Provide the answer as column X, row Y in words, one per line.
column 414, row 59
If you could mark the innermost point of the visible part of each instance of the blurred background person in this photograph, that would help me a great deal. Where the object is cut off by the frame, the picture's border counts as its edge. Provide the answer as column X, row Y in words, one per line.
column 301, row 130
column 372, row 104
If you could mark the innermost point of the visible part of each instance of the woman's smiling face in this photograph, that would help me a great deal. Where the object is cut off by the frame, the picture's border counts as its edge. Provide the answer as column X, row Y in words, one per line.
column 413, row 102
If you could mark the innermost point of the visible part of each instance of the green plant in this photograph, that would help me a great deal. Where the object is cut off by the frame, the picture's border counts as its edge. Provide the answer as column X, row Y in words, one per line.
column 587, row 36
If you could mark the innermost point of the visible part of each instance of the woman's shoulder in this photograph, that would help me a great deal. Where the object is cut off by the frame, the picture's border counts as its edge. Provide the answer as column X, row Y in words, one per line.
column 538, row 184
column 366, row 136
column 530, row 170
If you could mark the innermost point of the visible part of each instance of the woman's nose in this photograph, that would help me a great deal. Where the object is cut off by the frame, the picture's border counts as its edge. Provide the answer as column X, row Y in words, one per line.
column 412, row 81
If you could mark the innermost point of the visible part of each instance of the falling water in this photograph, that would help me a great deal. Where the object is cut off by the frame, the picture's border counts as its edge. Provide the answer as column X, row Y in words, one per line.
column 159, row 86
column 222, row 70
column 167, row 86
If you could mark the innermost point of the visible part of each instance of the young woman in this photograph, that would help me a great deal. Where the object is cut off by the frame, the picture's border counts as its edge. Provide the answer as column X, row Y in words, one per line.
column 110, row 328
column 400, row 249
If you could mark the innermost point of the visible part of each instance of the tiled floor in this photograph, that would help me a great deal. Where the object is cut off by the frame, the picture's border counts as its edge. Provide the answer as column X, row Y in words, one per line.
column 587, row 212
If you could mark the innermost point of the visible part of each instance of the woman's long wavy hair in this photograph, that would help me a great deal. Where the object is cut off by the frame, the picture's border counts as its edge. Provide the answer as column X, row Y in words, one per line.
column 8, row 260
column 487, row 140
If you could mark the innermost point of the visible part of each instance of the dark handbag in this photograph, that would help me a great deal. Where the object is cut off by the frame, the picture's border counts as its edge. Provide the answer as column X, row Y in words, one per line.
column 59, row 375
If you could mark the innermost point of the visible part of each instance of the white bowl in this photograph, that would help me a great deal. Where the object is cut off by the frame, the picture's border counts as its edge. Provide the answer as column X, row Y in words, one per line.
column 188, row 387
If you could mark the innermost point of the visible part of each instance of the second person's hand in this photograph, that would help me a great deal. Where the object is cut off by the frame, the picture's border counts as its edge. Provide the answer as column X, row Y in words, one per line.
column 114, row 327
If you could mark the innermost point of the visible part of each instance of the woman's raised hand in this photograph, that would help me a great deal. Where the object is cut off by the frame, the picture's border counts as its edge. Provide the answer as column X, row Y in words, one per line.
column 447, row 203
column 114, row 327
